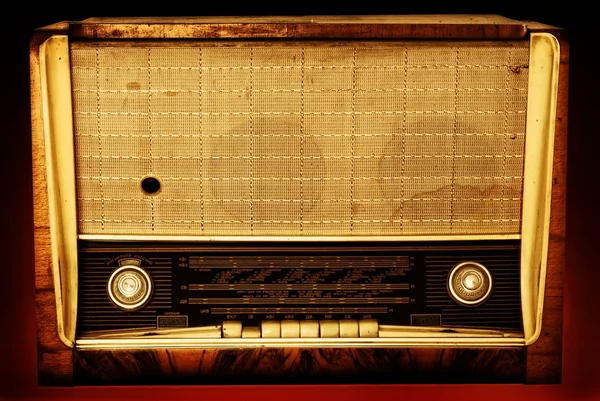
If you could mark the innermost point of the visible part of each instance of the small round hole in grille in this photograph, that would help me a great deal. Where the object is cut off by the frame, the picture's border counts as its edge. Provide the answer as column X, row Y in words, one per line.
column 150, row 185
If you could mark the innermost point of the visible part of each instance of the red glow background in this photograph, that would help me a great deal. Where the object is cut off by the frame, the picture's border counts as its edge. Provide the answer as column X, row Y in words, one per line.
column 581, row 352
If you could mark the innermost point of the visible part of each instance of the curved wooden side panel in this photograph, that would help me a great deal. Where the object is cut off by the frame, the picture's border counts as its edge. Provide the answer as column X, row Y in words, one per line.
column 544, row 357
column 293, row 365
column 55, row 359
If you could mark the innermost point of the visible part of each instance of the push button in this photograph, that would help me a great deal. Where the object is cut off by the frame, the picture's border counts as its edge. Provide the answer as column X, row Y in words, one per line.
column 290, row 329
column 251, row 332
column 329, row 328
column 348, row 328
column 232, row 329
column 309, row 329
column 270, row 329
column 368, row 328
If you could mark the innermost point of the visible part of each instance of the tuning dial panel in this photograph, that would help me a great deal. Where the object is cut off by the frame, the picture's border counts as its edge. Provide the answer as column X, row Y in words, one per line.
column 469, row 283
column 129, row 287
column 400, row 284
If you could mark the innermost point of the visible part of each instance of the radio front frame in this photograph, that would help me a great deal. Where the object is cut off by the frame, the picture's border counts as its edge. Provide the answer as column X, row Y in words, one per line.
column 542, row 214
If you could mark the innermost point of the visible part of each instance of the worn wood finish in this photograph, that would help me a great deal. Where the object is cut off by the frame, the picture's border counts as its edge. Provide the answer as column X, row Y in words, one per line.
column 422, row 19
column 346, row 27
column 533, row 26
column 55, row 359
column 544, row 357
column 60, row 365
column 293, row 365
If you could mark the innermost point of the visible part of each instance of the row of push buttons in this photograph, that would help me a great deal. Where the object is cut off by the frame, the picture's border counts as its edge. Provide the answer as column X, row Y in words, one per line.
column 303, row 329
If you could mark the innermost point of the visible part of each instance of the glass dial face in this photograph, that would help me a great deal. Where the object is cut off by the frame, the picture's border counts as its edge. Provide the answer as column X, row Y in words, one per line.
column 469, row 283
column 129, row 287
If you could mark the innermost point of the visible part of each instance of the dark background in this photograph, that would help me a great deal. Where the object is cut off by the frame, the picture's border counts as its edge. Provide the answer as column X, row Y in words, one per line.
column 581, row 352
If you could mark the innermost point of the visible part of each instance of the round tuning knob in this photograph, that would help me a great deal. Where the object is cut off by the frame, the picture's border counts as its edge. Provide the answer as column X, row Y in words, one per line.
column 469, row 283
column 129, row 287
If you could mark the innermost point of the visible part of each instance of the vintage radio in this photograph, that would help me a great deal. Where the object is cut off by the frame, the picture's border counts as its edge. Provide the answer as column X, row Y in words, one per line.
column 299, row 199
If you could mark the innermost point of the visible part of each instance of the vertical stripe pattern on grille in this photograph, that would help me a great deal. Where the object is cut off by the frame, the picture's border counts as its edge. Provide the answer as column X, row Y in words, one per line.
column 393, row 138
column 95, row 310
column 501, row 310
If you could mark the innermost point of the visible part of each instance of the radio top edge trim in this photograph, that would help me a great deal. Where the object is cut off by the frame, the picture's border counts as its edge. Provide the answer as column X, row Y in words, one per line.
column 357, row 238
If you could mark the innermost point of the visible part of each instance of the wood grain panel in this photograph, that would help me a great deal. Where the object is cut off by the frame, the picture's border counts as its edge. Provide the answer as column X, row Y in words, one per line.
column 347, row 27
column 292, row 365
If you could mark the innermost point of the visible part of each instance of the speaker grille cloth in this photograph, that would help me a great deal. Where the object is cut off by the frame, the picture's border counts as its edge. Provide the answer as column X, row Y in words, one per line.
column 300, row 138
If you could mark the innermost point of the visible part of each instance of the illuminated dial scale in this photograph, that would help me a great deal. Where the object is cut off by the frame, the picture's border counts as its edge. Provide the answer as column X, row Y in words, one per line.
column 129, row 287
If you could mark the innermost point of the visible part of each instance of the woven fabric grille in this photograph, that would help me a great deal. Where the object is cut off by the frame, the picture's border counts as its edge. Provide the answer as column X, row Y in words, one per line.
column 300, row 138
